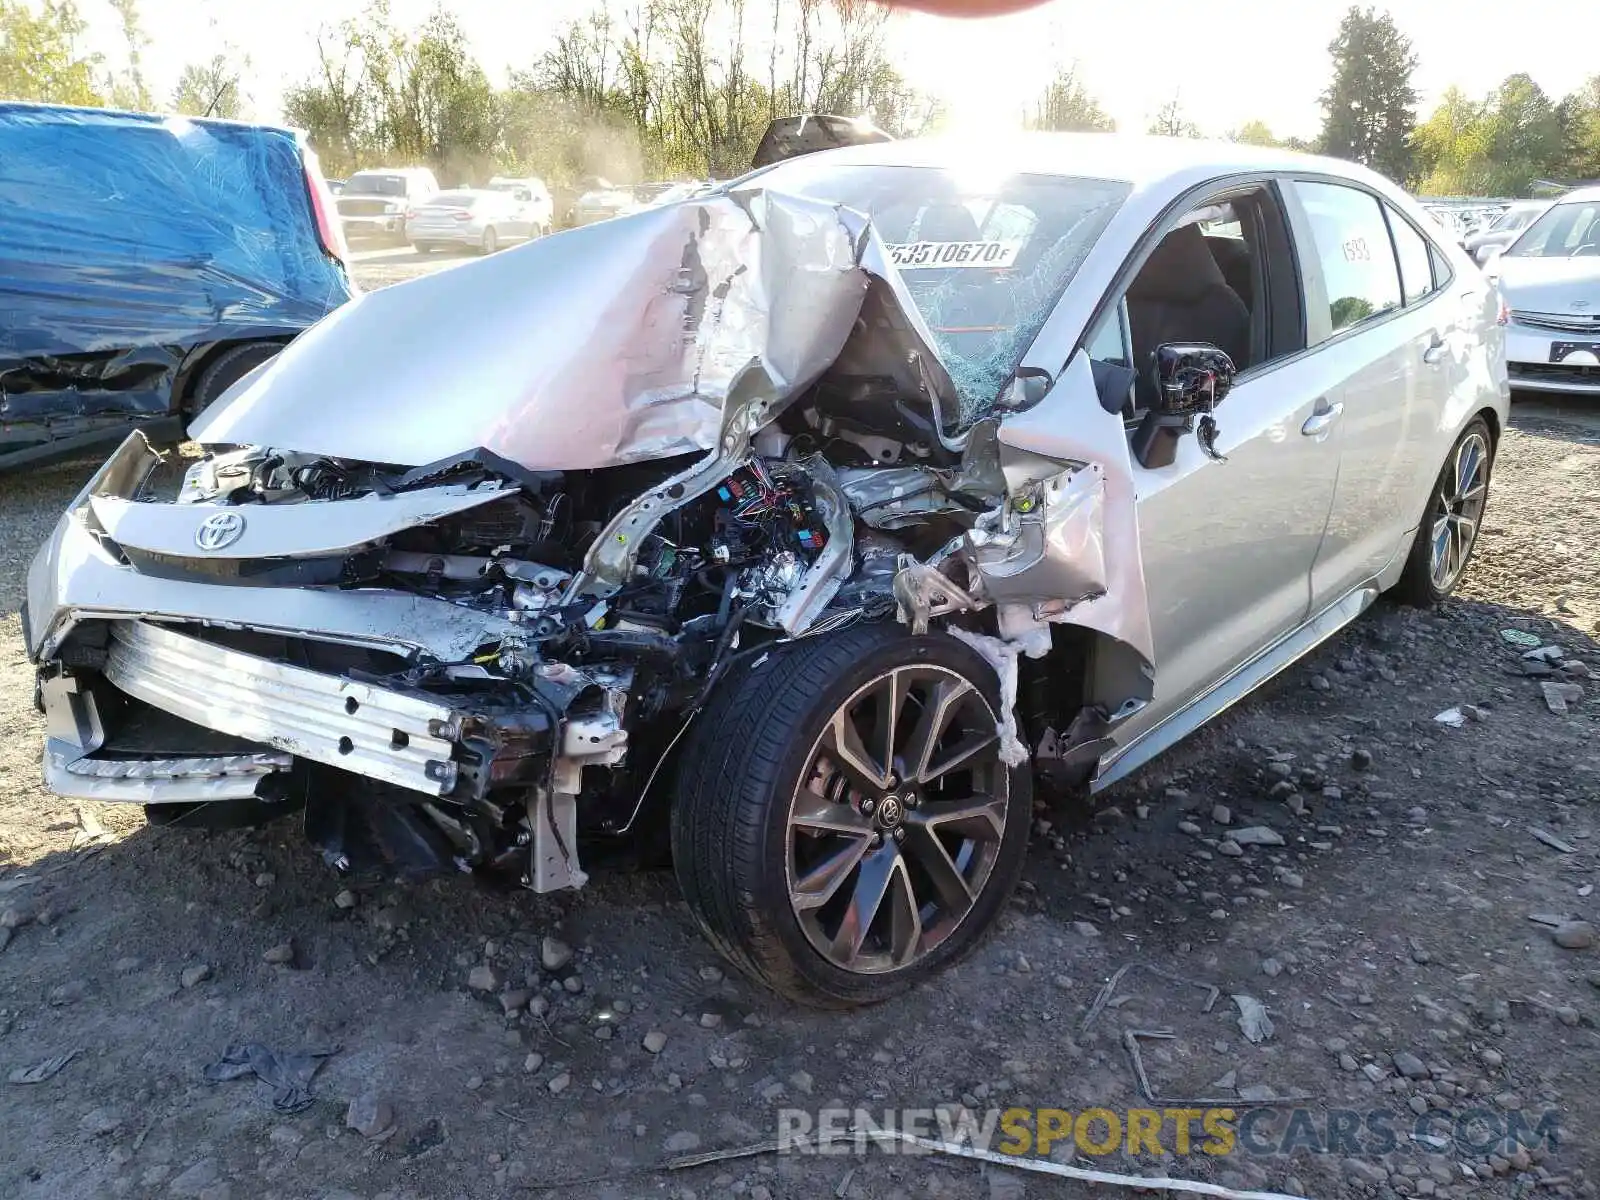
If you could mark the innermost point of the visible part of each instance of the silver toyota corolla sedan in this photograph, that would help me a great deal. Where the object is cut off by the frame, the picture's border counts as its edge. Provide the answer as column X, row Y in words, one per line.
column 1550, row 278
column 796, row 530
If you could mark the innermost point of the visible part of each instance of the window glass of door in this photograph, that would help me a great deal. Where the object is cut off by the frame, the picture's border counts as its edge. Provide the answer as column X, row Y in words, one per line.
column 1416, row 265
column 1352, row 245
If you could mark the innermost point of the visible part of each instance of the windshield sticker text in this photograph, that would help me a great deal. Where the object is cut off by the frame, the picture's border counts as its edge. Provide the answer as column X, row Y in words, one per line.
column 938, row 255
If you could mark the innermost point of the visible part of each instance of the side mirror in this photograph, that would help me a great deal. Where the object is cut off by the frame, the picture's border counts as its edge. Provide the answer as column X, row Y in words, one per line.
column 1487, row 254
column 1191, row 379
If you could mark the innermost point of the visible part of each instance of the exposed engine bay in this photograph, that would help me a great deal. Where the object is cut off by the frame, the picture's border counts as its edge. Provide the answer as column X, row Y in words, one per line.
column 484, row 660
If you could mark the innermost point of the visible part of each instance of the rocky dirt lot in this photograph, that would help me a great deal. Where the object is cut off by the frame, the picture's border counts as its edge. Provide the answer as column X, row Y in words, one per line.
column 1394, row 905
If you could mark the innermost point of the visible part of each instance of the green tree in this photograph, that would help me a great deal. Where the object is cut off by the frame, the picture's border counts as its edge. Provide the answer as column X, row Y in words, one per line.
column 1451, row 146
column 1170, row 121
column 1066, row 105
column 331, row 105
column 1370, row 106
column 1578, row 117
column 1523, row 136
column 211, row 89
column 1254, row 133
column 40, row 58
column 128, row 87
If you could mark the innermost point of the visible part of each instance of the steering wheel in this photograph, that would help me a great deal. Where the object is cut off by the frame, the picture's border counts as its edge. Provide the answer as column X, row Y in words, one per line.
column 1587, row 250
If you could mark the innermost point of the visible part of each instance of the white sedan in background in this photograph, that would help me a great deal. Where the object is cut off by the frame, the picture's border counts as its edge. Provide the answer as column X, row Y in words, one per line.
column 480, row 220
column 1550, row 278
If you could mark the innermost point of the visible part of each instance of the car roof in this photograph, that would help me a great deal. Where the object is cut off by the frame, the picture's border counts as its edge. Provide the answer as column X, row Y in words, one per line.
column 113, row 116
column 1584, row 195
column 1136, row 159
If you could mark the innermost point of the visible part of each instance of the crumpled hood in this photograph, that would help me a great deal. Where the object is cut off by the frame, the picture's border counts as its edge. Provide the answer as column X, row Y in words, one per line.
column 1549, row 285
column 609, row 344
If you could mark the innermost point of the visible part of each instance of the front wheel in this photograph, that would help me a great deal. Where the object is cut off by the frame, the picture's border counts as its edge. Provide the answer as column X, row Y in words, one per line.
column 844, row 827
column 226, row 370
column 1449, row 530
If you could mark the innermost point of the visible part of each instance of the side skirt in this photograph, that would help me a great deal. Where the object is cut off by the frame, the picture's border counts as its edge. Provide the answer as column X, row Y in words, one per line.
column 1235, row 687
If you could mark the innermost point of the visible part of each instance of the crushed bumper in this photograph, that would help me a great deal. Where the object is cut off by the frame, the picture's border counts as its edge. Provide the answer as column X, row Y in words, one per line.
column 398, row 739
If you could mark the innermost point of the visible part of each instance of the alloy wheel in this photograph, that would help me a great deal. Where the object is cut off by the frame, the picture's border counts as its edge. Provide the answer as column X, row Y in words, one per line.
column 1458, row 511
column 896, row 825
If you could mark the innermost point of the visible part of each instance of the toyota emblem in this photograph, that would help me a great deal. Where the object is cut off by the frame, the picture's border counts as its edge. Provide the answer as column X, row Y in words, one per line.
column 219, row 530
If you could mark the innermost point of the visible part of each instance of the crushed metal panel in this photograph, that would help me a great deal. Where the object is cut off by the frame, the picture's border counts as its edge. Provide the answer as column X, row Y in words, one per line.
column 614, row 343
column 325, row 718
column 1069, row 425
column 323, row 527
column 1045, row 545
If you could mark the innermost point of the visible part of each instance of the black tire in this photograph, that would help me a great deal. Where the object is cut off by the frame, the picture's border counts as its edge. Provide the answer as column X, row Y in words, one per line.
column 226, row 370
column 740, row 772
column 1418, row 584
column 423, row 247
column 490, row 242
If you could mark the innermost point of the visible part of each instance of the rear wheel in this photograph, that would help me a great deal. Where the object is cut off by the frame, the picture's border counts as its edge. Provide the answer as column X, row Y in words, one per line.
column 844, row 827
column 423, row 247
column 491, row 241
column 1449, row 530
column 226, row 370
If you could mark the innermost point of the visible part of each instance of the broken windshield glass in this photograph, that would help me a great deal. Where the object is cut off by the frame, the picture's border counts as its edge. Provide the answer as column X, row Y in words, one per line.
column 985, row 260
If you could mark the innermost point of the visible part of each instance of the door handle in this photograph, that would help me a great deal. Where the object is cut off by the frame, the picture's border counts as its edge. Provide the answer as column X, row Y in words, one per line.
column 1320, row 422
column 1434, row 354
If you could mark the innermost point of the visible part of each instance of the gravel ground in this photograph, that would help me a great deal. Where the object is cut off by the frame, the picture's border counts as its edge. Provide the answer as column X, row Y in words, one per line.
column 506, row 1044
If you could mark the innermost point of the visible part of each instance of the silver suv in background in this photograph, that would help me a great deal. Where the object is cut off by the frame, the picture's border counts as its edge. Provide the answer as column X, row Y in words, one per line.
column 375, row 203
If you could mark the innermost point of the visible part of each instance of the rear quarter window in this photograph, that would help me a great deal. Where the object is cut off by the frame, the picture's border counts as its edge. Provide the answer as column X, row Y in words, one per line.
column 1417, row 277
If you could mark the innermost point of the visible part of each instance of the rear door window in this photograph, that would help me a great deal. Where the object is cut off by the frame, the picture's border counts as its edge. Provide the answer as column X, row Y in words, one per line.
column 1351, row 244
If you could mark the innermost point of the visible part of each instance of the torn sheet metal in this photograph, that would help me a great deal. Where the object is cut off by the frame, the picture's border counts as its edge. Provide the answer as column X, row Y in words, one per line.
column 614, row 343
column 1069, row 425
column 1003, row 656
column 280, row 531
column 1046, row 544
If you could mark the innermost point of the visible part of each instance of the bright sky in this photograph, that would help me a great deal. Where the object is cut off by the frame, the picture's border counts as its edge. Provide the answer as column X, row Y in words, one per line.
column 1233, row 62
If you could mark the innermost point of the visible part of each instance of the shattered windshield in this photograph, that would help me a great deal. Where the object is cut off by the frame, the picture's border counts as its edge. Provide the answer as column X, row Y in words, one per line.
column 986, row 260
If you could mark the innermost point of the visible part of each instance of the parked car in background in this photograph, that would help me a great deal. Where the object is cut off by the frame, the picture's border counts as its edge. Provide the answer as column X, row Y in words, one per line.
column 374, row 203
column 937, row 465
column 146, row 264
column 601, row 204
column 1503, row 230
column 1549, row 278
column 536, row 205
column 1448, row 221
column 466, row 218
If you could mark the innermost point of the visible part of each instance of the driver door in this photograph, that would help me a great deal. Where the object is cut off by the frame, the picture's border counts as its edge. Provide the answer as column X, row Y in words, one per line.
column 1229, row 535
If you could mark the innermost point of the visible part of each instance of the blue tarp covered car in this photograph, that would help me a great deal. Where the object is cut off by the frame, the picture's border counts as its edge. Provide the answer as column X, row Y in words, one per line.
column 146, row 264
